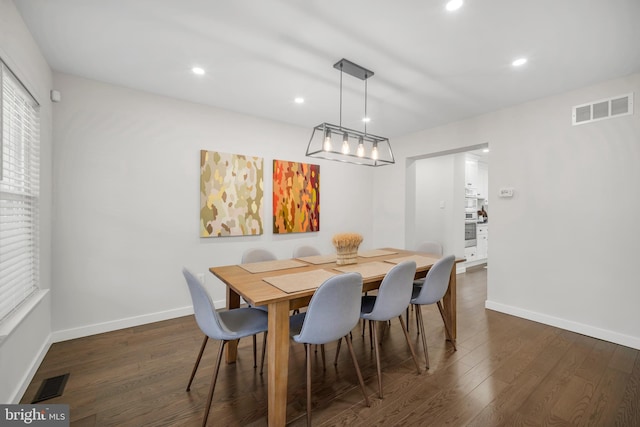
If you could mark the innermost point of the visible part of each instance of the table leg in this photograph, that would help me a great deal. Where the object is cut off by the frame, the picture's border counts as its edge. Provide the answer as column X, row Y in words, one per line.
column 278, row 362
column 450, row 304
column 233, row 301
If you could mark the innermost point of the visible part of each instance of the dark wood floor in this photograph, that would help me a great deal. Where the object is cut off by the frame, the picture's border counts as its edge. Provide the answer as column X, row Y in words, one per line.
column 507, row 371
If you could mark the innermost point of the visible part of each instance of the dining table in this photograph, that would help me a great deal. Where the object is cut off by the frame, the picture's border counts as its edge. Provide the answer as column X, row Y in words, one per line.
column 288, row 284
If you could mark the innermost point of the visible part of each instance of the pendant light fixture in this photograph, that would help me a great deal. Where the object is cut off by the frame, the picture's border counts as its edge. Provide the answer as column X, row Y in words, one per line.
column 357, row 147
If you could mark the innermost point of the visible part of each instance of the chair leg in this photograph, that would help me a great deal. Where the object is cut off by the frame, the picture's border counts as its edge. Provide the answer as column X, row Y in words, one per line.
column 213, row 383
column 264, row 350
column 377, row 352
column 195, row 367
column 406, row 335
column 308, row 385
column 407, row 317
column 446, row 326
column 254, row 351
column 371, row 333
column 358, row 373
column 424, row 336
column 335, row 361
column 324, row 362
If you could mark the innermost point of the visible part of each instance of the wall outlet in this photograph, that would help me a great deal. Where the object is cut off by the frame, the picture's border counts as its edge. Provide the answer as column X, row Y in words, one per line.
column 200, row 277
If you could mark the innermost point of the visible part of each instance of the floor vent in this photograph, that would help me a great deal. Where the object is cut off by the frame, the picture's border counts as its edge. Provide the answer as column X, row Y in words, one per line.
column 50, row 388
column 621, row 105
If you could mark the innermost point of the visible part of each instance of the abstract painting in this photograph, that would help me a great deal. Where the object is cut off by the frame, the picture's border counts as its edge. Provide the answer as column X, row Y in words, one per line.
column 231, row 193
column 296, row 197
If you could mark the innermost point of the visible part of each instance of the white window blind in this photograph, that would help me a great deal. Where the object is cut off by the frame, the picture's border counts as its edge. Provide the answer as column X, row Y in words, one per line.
column 19, row 192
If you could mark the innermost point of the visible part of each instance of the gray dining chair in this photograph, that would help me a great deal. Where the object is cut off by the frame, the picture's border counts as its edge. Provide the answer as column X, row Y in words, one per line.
column 303, row 251
column 333, row 311
column 428, row 247
column 391, row 301
column 224, row 326
column 258, row 255
column 431, row 292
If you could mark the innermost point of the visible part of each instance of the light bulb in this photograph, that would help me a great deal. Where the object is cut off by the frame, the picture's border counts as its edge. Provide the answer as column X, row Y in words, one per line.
column 345, row 143
column 374, row 151
column 360, row 151
column 327, row 141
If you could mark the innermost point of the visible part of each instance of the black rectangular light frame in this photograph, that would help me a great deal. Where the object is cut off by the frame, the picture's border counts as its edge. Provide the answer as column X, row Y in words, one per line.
column 353, row 69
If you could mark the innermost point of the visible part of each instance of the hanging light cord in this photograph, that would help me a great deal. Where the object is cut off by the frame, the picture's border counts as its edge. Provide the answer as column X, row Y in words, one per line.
column 365, row 103
column 341, row 95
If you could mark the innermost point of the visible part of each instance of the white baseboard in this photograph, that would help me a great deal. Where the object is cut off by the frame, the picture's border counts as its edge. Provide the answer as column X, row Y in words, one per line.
column 114, row 325
column 26, row 380
column 580, row 328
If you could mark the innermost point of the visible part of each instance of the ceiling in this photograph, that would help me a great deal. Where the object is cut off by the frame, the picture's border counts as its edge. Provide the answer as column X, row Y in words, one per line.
column 431, row 66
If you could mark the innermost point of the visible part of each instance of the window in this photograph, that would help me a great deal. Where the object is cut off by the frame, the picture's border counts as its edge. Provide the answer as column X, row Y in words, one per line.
column 19, row 192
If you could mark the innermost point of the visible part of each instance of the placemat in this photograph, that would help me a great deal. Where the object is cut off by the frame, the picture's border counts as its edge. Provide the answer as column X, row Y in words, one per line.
column 376, row 252
column 296, row 282
column 319, row 259
column 367, row 269
column 421, row 261
column 281, row 264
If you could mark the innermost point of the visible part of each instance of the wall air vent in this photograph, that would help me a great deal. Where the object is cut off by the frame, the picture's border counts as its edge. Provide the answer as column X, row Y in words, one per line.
column 621, row 105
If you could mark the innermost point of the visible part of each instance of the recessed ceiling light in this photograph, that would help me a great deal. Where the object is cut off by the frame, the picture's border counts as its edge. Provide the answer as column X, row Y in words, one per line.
column 454, row 5
column 198, row 71
column 366, row 119
column 486, row 150
column 299, row 100
column 519, row 62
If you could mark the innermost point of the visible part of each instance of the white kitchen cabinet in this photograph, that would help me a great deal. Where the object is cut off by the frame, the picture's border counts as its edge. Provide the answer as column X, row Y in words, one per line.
column 482, row 236
column 483, row 180
column 470, row 254
column 471, row 173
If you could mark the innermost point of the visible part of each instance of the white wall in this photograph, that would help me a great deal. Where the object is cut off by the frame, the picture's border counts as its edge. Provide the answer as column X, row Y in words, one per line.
column 439, row 180
column 25, row 346
column 563, row 249
column 127, row 202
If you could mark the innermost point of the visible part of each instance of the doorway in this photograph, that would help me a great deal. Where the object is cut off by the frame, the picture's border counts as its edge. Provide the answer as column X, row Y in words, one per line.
column 447, row 187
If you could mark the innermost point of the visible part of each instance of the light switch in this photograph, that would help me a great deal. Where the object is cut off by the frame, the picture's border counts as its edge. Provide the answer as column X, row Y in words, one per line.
column 441, row 204
column 505, row 192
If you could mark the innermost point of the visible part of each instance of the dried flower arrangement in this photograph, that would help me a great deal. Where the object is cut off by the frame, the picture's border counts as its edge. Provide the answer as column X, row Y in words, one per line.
column 346, row 245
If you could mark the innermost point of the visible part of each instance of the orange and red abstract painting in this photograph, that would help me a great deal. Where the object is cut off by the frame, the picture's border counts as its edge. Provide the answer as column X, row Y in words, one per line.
column 296, row 197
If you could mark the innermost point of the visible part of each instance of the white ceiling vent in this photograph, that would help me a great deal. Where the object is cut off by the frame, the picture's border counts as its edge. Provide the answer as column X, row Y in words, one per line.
column 621, row 105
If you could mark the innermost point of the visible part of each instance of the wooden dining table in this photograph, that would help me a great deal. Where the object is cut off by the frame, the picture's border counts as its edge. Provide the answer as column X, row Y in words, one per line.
column 284, row 285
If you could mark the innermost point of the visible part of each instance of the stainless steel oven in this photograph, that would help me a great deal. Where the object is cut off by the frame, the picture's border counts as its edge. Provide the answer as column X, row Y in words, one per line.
column 470, row 234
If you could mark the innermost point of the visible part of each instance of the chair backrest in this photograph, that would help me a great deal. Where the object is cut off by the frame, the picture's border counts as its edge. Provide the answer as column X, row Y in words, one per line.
column 436, row 283
column 333, row 311
column 303, row 251
column 203, row 308
column 430, row 248
column 395, row 291
column 257, row 255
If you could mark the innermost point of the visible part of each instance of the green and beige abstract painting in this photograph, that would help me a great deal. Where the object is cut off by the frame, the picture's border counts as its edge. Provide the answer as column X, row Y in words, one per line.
column 231, row 194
